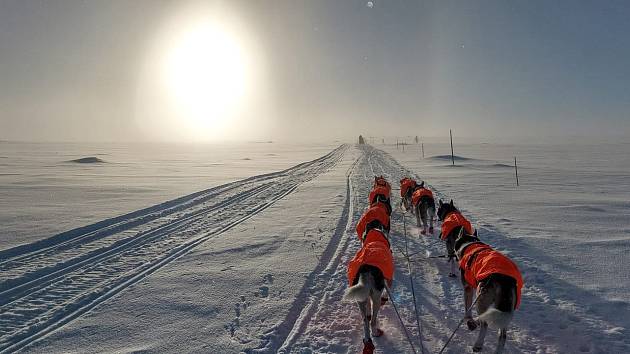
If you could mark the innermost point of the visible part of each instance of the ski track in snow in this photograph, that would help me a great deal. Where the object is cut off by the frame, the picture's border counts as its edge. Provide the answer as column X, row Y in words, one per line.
column 46, row 284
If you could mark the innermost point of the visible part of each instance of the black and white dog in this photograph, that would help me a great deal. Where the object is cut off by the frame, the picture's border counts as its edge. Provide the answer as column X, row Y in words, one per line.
column 424, row 209
column 453, row 224
column 367, row 293
column 498, row 282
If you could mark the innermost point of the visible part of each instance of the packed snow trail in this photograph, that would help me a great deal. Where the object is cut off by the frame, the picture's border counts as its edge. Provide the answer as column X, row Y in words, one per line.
column 545, row 323
column 328, row 324
column 49, row 283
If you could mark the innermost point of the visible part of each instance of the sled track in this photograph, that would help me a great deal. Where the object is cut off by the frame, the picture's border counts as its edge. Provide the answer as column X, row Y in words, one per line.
column 49, row 283
column 311, row 294
column 328, row 280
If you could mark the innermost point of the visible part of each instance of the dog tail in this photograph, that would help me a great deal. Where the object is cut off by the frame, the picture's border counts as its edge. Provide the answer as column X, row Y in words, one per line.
column 358, row 292
column 497, row 319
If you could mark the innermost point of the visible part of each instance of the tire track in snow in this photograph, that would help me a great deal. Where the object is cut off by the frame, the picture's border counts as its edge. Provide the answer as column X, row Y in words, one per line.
column 39, row 302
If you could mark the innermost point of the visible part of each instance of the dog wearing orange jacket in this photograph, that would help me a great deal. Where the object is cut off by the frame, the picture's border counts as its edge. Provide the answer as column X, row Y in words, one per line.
column 453, row 223
column 424, row 206
column 371, row 267
column 498, row 282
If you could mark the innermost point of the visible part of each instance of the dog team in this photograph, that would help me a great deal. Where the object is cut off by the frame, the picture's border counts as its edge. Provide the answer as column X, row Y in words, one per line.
column 496, row 279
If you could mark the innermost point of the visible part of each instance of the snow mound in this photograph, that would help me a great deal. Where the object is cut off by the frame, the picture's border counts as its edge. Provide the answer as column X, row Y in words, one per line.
column 89, row 159
column 501, row 165
column 448, row 157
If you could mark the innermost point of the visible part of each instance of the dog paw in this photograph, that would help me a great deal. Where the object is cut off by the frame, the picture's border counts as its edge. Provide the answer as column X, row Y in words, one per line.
column 477, row 349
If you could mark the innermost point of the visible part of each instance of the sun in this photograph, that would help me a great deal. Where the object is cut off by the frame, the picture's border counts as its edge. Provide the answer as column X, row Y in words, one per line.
column 199, row 80
column 206, row 73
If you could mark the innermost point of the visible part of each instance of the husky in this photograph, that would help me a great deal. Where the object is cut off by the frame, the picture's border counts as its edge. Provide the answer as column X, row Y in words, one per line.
column 407, row 187
column 368, row 293
column 498, row 283
column 424, row 206
column 453, row 224
column 406, row 201
column 371, row 267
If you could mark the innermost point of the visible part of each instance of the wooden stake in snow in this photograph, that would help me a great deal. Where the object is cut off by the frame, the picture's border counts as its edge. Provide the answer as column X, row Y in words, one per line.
column 452, row 154
column 516, row 170
column 422, row 144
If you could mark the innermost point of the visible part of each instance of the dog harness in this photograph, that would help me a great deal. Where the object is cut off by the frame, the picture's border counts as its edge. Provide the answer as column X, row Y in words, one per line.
column 453, row 220
column 479, row 261
column 376, row 212
column 406, row 184
column 382, row 182
column 375, row 251
column 420, row 194
column 379, row 190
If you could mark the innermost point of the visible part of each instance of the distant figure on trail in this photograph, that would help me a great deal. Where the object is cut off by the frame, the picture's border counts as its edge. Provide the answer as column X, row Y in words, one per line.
column 424, row 206
column 361, row 140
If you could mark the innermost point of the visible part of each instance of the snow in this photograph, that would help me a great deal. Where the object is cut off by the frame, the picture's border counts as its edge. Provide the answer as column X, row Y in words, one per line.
column 45, row 193
column 259, row 266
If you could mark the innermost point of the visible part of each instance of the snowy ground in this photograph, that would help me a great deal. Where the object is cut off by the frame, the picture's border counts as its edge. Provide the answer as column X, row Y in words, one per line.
column 259, row 266
column 44, row 192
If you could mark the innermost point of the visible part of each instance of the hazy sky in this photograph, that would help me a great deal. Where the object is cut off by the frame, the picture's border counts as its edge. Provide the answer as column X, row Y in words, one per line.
column 74, row 70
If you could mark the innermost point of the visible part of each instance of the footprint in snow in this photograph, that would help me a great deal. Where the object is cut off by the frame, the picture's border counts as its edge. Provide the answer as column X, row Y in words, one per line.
column 268, row 279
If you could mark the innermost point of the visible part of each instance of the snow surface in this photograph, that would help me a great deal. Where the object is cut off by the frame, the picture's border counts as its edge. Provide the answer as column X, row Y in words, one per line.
column 45, row 190
column 259, row 266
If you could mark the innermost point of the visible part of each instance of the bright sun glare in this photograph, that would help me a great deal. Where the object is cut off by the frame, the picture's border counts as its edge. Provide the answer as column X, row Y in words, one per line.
column 201, row 78
column 205, row 71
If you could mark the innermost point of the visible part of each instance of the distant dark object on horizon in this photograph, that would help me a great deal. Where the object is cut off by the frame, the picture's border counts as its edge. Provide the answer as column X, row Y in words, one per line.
column 361, row 140
column 448, row 157
column 91, row 159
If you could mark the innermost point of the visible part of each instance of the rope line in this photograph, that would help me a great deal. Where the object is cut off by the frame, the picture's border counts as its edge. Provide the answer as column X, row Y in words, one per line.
column 413, row 291
column 391, row 298
column 461, row 321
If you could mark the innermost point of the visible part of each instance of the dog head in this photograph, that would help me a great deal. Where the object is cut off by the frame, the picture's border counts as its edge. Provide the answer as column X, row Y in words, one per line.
column 462, row 241
column 444, row 209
